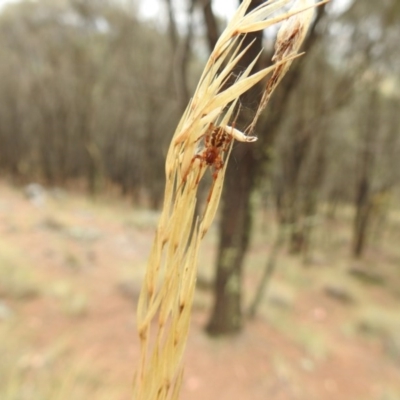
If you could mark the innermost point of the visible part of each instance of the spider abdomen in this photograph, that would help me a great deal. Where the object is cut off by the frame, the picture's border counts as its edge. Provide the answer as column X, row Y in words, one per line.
column 211, row 155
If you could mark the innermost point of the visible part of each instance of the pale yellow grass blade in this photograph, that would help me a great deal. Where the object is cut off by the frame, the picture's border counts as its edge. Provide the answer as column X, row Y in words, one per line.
column 164, row 307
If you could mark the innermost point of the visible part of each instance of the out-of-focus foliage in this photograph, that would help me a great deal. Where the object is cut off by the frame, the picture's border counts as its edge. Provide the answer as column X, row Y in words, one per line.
column 88, row 92
column 85, row 91
column 340, row 141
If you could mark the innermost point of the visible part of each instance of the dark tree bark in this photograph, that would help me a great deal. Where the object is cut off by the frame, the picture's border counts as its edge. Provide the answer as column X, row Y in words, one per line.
column 181, row 53
column 363, row 201
column 362, row 216
column 240, row 181
column 211, row 24
column 235, row 225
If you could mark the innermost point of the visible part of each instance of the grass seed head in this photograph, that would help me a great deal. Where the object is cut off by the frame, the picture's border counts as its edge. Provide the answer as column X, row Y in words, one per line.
column 168, row 291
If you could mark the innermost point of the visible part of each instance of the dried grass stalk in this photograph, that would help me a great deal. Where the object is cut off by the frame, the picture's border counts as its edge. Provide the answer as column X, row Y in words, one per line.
column 163, row 314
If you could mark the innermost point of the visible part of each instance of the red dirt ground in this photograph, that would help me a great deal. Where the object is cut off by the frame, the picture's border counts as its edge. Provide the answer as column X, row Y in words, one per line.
column 99, row 334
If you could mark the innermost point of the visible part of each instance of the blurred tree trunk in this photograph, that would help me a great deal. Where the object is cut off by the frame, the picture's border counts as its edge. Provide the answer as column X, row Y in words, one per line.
column 235, row 225
column 240, row 181
column 312, row 194
column 154, row 186
column 361, row 220
column 176, row 84
column 211, row 24
column 291, row 198
column 181, row 54
column 85, row 116
column 369, row 126
column 304, row 160
column 300, row 144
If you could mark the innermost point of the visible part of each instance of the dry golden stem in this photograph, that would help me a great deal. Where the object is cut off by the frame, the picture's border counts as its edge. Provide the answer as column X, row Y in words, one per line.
column 163, row 314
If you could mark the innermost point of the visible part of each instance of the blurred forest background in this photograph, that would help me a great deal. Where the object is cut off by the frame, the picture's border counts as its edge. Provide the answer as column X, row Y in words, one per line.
column 91, row 93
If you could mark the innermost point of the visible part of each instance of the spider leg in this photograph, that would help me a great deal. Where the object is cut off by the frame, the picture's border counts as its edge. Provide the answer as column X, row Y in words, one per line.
column 184, row 178
column 188, row 169
column 200, row 169
column 208, row 135
column 218, row 166
column 227, row 144
column 215, row 176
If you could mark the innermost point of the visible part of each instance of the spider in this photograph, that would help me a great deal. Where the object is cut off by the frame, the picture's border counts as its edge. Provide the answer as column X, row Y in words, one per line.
column 217, row 140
